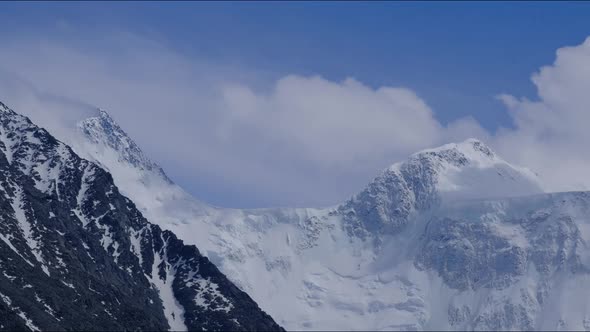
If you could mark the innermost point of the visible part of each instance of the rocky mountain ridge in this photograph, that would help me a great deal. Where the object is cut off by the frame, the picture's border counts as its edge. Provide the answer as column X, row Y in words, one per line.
column 78, row 255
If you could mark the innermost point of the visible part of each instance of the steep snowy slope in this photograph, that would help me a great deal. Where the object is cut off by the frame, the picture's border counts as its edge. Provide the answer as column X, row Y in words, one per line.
column 453, row 238
column 75, row 254
column 100, row 139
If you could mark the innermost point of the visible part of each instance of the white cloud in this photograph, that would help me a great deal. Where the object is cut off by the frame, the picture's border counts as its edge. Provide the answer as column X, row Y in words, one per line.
column 552, row 133
column 294, row 140
column 299, row 140
column 331, row 123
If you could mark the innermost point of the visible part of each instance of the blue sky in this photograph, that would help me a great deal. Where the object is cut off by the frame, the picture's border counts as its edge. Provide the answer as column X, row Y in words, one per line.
column 456, row 56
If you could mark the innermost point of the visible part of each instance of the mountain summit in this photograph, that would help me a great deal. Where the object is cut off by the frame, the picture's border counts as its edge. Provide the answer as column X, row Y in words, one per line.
column 471, row 170
column 466, row 170
column 102, row 131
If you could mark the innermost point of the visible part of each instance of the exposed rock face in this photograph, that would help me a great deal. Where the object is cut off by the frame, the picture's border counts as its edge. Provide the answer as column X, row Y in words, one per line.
column 75, row 254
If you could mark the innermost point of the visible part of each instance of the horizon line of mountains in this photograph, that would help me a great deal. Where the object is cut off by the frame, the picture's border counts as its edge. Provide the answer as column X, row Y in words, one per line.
column 452, row 238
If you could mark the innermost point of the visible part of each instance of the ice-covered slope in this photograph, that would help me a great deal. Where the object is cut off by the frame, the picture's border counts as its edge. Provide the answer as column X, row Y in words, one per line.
column 453, row 238
column 75, row 254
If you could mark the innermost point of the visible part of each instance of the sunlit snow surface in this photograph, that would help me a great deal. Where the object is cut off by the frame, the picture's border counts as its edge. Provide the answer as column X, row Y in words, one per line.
column 453, row 238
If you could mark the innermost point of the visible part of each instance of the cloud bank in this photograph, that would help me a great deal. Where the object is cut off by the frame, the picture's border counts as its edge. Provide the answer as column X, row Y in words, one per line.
column 552, row 133
column 233, row 135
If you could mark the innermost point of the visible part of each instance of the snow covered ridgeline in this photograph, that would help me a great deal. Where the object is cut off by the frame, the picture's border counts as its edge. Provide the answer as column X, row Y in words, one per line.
column 436, row 242
column 76, row 254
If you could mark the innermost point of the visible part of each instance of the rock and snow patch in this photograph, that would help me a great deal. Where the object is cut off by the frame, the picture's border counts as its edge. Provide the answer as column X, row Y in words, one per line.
column 162, row 276
column 135, row 243
column 7, row 145
column 48, row 308
column 7, row 239
column 28, row 322
column 208, row 293
column 87, row 176
column 18, row 206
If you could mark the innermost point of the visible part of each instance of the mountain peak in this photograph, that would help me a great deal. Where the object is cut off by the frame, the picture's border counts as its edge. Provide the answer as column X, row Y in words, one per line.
column 470, row 151
column 3, row 107
column 470, row 169
column 467, row 146
column 102, row 130
column 428, row 178
column 103, row 114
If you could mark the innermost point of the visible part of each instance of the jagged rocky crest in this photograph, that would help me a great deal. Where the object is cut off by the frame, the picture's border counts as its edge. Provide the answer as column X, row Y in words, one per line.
column 103, row 130
column 78, row 255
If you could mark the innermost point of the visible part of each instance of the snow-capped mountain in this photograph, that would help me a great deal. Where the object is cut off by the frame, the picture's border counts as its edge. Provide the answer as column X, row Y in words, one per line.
column 78, row 255
column 102, row 131
column 452, row 238
column 468, row 170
